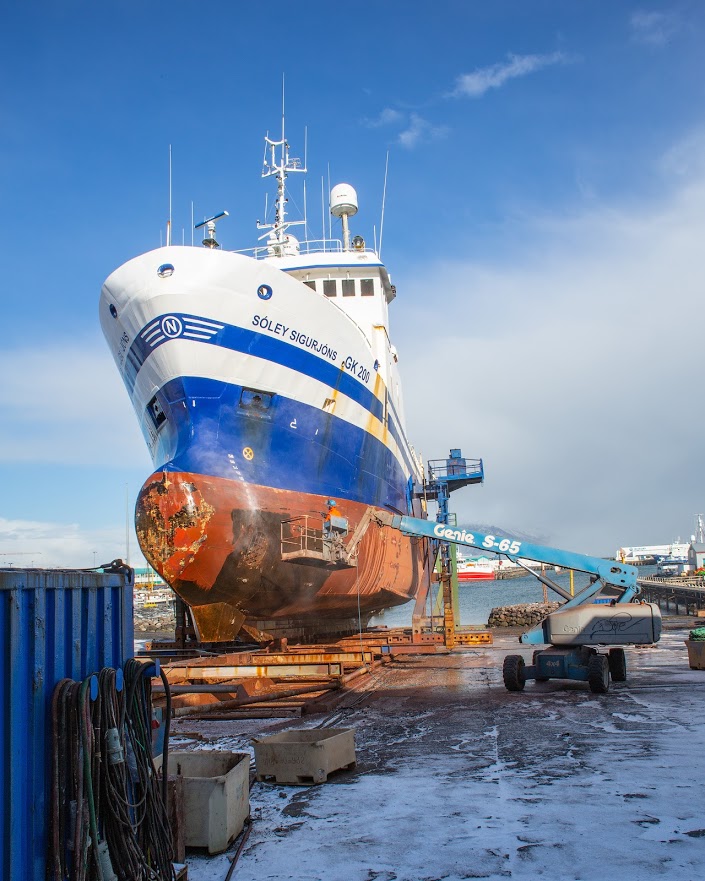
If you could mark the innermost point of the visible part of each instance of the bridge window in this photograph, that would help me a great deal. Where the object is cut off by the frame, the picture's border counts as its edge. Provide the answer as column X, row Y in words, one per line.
column 329, row 287
column 310, row 284
column 348, row 287
column 367, row 287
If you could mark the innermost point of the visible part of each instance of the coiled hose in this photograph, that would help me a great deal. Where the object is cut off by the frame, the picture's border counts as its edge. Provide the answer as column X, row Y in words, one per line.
column 106, row 792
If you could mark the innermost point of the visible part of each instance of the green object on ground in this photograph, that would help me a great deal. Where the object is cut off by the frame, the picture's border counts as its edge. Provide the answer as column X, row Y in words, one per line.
column 698, row 633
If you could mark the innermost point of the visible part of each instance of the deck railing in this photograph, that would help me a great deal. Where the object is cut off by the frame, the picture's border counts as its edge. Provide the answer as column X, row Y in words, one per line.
column 297, row 535
column 454, row 468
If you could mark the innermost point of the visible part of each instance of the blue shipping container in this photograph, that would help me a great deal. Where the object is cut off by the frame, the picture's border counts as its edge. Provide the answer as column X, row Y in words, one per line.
column 54, row 624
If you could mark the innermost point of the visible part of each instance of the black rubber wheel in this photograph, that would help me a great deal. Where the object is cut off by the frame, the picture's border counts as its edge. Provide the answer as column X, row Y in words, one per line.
column 533, row 661
column 513, row 673
column 586, row 652
column 599, row 674
column 618, row 665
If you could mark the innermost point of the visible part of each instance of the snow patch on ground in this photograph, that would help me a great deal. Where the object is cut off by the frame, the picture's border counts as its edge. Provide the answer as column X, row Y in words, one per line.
column 478, row 782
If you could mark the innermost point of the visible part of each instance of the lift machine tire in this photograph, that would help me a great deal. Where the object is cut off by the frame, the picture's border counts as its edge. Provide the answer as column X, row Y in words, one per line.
column 618, row 665
column 598, row 672
column 513, row 673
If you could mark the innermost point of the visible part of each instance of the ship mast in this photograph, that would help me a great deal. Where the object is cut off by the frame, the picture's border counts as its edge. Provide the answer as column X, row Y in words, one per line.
column 280, row 167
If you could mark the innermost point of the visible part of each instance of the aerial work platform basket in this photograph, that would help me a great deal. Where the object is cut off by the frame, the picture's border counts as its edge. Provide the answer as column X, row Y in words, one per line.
column 455, row 472
column 327, row 547
column 304, row 542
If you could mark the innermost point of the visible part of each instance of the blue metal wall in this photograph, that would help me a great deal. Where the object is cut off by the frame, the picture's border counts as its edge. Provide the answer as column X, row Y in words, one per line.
column 53, row 624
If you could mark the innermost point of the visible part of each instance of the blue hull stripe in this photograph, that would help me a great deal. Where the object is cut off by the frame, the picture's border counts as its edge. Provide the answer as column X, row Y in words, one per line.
column 249, row 342
column 294, row 446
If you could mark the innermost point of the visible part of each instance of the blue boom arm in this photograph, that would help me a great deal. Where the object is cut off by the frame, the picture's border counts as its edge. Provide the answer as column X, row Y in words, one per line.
column 605, row 572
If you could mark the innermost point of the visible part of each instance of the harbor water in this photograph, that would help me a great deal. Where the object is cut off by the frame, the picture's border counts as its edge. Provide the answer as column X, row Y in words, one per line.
column 477, row 599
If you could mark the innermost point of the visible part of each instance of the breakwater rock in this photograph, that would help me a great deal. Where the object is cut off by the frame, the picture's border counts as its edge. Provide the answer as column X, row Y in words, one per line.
column 521, row 615
column 151, row 621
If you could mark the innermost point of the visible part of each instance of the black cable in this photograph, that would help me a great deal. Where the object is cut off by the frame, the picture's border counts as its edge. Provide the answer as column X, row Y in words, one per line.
column 154, row 833
column 104, row 785
column 165, row 749
column 126, row 857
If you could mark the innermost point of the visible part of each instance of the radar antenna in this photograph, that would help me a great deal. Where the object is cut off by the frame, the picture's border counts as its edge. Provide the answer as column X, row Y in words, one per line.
column 209, row 240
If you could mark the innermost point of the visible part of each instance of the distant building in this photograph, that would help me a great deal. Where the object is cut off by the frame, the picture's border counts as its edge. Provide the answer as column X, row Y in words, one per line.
column 649, row 553
column 147, row 579
column 696, row 556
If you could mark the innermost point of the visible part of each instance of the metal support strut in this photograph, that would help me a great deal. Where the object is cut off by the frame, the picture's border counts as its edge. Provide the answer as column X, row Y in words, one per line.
column 444, row 477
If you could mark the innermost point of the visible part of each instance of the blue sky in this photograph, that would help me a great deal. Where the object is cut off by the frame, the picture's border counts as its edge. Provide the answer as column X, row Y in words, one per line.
column 544, row 226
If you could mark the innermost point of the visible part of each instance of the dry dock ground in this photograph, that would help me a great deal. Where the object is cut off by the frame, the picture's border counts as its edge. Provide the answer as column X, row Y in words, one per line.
column 457, row 778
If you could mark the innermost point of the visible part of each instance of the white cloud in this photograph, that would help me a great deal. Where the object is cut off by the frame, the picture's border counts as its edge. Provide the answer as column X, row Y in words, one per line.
column 29, row 543
column 414, row 128
column 686, row 159
column 419, row 129
column 66, row 405
column 388, row 116
column 573, row 366
column 654, row 28
column 481, row 80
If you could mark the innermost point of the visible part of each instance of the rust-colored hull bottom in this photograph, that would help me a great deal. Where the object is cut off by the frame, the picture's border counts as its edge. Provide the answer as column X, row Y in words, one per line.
column 216, row 542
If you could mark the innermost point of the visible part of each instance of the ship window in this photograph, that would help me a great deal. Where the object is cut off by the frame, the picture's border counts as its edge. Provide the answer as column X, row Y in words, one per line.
column 329, row 287
column 310, row 284
column 254, row 401
column 156, row 414
column 348, row 287
column 367, row 287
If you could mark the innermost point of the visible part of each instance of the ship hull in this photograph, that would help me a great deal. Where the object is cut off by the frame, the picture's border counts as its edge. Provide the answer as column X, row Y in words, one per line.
column 218, row 541
column 464, row 577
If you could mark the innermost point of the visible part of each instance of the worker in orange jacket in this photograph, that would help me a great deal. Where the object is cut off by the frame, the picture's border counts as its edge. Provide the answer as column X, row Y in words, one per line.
column 333, row 511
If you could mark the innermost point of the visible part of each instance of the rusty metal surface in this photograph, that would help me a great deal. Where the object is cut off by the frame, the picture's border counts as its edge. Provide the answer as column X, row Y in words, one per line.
column 218, row 541
column 282, row 701
column 217, row 622
column 482, row 637
column 313, row 657
column 275, row 671
column 220, row 672
column 175, row 804
column 418, row 649
column 220, row 668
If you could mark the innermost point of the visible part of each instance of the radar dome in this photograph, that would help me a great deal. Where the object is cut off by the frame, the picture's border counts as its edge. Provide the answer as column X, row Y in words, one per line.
column 343, row 200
